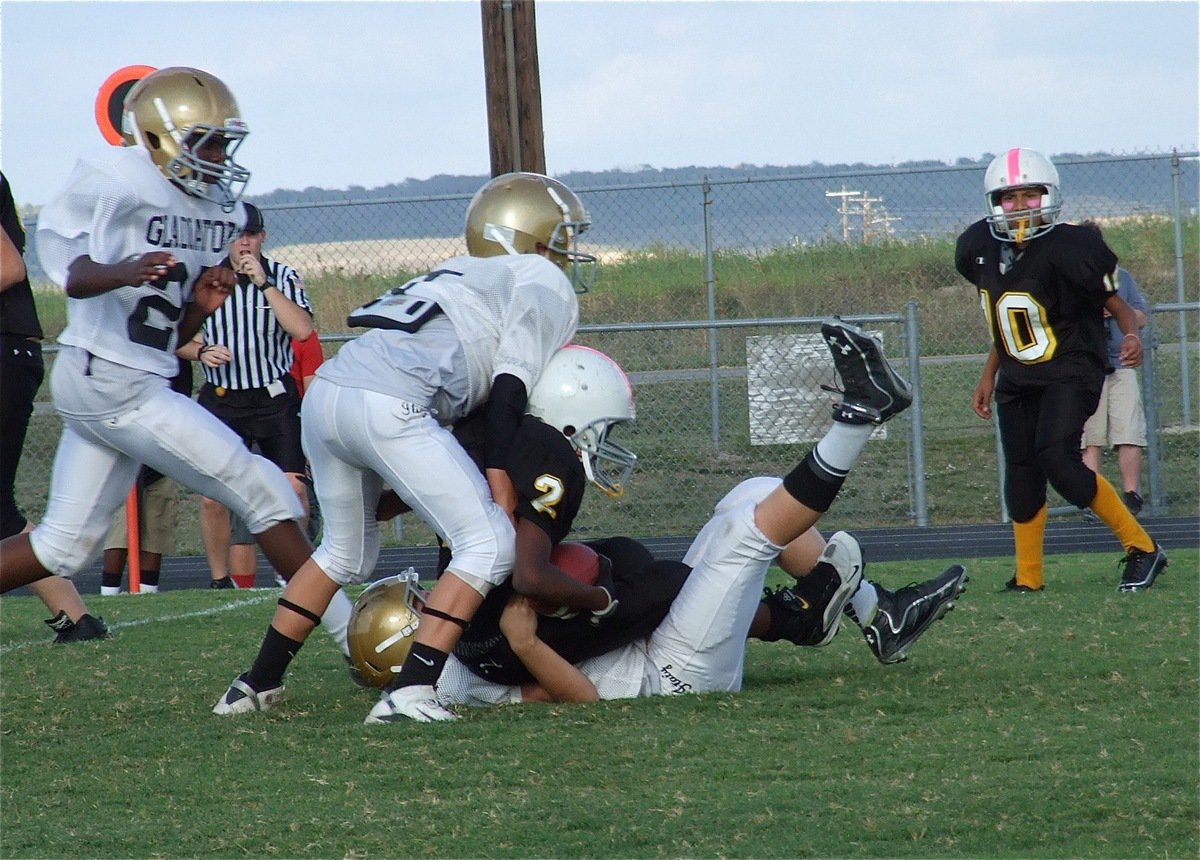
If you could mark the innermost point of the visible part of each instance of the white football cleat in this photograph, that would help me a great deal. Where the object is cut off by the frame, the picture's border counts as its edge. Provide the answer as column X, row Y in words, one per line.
column 417, row 702
column 241, row 698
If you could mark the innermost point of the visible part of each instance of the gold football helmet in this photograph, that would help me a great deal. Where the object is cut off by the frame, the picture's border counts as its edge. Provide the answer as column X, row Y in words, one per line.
column 520, row 213
column 180, row 115
column 383, row 625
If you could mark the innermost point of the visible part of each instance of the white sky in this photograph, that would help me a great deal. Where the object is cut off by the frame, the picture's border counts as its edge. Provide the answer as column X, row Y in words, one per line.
column 369, row 93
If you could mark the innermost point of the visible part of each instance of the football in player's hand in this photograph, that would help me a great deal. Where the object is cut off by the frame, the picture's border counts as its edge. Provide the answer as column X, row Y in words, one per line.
column 576, row 560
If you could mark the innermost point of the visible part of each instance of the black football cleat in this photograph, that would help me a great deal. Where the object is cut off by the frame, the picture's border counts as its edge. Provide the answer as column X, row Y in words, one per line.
column 1141, row 568
column 66, row 631
column 905, row 614
column 872, row 392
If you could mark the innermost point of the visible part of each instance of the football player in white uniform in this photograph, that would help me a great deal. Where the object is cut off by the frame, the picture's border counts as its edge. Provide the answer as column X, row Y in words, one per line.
column 134, row 239
column 700, row 645
column 477, row 331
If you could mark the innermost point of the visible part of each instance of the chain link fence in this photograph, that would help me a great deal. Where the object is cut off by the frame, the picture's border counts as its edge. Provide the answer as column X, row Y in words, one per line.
column 711, row 292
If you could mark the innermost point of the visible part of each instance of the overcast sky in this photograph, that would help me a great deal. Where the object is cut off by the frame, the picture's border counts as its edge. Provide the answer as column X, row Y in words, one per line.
column 369, row 93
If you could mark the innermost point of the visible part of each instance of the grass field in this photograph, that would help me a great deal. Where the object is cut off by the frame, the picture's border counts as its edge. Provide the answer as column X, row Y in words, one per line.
column 1063, row 724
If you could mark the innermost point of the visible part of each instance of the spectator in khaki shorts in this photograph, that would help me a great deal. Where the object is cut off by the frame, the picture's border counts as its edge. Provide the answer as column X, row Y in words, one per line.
column 159, row 515
column 1119, row 421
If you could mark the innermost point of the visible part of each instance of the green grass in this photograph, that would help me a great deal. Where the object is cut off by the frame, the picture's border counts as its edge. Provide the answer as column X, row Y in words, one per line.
column 1063, row 724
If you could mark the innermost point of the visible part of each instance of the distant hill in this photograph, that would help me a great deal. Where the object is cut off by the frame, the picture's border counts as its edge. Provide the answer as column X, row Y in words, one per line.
column 751, row 206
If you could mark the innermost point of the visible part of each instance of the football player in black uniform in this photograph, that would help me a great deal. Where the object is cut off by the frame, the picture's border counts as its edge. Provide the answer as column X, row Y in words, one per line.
column 1042, row 286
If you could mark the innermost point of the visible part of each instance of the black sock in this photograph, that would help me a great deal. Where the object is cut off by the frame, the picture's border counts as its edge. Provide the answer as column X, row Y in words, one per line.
column 422, row 667
column 274, row 657
column 811, row 485
column 150, row 577
column 111, row 580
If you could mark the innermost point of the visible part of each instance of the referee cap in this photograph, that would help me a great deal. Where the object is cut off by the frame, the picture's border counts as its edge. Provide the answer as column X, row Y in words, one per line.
column 254, row 219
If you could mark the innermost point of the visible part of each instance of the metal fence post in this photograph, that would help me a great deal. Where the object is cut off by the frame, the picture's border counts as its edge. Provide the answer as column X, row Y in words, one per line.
column 710, row 283
column 1184, row 381
column 913, row 333
column 1155, row 494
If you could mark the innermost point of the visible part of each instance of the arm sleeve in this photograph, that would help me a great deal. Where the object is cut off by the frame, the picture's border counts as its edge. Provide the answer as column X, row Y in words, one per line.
column 502, row 415
column 292, row 285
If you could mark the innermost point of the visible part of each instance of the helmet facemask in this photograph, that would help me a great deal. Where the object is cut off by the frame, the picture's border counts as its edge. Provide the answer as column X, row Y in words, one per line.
column 222, row 182
column 607, row 464
column 563, row 247
column 1022, row 225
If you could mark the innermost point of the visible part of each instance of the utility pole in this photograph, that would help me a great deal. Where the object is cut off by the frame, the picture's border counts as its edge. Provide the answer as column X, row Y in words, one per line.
column 514, row 95
column 844, row 210
column 867, row 219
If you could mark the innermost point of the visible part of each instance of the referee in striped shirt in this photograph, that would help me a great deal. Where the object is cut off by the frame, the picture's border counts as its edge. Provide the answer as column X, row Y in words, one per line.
column 245, row 350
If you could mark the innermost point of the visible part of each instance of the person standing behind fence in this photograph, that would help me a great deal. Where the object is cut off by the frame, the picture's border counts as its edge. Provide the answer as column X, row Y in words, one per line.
column 21, row 374
column 1042, row 287
column 248, row 382
column 1119, row 421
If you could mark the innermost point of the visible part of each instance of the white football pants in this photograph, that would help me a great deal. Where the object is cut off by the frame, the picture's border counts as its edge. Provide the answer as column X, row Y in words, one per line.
column 356, row 442
column 98, row 459
column 701, row 645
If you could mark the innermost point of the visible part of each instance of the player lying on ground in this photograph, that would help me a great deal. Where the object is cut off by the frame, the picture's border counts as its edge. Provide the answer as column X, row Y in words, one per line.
column 484, row 668
column 700, row 643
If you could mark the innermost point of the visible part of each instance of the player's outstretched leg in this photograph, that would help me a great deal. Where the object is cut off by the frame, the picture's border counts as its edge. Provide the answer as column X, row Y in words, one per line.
column 872, row 392
column 809, row 612
column 904, row 615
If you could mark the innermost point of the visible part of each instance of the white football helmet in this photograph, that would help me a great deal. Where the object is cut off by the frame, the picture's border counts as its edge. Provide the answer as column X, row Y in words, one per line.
column 176, row 112
column 516, row 212
column 383, row 626
column 1021, row 168
column 584, row 393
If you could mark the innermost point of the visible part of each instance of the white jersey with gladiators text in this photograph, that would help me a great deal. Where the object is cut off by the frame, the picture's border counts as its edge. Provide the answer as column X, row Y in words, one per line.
column 510, row 314
column 117, row 205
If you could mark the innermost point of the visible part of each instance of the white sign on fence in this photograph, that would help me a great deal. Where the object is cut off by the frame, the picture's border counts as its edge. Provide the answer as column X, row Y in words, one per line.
column 784, row 376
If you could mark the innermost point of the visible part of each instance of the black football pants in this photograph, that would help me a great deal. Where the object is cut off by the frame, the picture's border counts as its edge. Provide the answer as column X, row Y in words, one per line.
column 1040, row 431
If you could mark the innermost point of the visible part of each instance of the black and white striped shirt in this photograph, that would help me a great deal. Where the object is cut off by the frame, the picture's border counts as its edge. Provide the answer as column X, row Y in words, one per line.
column 246, row 324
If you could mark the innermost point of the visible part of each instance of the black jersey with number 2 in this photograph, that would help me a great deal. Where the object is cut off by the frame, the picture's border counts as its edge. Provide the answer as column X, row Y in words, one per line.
column 1043, row 303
